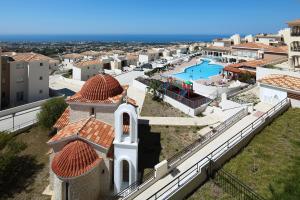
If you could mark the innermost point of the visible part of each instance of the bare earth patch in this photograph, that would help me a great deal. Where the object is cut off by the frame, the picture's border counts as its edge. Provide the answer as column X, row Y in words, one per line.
column 36, row 139
column 159, row 109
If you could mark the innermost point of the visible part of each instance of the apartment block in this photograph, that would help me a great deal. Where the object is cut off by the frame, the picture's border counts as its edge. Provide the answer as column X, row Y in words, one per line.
column 294, row 43
column 24, row 78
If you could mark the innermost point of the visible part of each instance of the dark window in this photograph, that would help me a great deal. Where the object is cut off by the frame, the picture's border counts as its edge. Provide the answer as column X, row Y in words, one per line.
column 3, row 94
column 41, row 78
column 92, row 111
column 20, row 96
column 41, row 91
column 67, row 191
column 103, row 171
column 41, row 64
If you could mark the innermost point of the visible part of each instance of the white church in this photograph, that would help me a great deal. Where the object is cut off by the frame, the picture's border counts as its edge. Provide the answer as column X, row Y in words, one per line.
column 95, row 151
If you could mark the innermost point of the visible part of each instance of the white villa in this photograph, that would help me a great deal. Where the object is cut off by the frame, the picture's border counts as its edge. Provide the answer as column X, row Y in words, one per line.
column 95, row 151
column 69, row 59
column 24, row 78
column 86, row 69
column 276, row 87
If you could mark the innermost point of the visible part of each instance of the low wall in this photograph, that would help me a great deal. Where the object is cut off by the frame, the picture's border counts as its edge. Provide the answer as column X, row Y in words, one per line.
column 213, row 91
column 182, row 107
column 21, row 108
column 263, row 72
column 202, row 177
column 72, row 81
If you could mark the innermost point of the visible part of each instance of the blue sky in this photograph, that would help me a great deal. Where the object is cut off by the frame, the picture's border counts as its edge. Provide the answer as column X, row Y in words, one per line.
column 145, row 16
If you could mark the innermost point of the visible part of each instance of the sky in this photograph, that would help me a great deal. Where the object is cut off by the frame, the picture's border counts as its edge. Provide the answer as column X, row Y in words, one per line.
column 145, row 16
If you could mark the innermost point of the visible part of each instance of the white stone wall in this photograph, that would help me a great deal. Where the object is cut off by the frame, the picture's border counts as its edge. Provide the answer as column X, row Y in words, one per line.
column 76, row 73
column 271, row 95
column 38, row 89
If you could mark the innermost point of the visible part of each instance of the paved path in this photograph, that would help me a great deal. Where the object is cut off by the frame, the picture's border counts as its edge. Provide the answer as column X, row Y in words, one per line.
column 179, row 121
column 202, row 153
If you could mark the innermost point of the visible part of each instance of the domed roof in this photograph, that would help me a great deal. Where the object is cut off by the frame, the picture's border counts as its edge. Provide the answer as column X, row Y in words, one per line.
column 76, row 158
column 101, row 87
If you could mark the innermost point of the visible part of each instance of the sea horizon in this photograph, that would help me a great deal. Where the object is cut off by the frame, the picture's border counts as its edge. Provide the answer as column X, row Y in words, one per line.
column 142, row 38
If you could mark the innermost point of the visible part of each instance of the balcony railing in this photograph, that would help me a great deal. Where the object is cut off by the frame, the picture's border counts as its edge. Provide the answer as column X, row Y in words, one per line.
column 295, row 48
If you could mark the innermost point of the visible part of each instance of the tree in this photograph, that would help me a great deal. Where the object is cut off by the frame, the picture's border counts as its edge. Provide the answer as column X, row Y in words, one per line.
column 154, row 87
column 51, row 111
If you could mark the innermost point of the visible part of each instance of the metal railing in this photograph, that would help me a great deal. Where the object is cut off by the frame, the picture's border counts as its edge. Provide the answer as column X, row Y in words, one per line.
column 200, row 143
column 195, row 103
column 208, row 137
column 135, row 186
column 15, row 126
column 194, row 170
column 233, row 186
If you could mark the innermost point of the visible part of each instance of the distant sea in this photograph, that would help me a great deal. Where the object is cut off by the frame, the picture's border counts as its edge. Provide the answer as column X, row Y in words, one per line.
column 110, row 38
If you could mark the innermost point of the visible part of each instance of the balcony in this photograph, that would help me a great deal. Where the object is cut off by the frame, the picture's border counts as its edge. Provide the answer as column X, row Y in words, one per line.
column 296, row 49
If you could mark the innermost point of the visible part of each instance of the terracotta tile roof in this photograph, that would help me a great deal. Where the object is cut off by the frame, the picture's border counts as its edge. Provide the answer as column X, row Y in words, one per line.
column 75, row 159
column 294, row 22
column 91, row 53
column 252, row 63
column 217, row 48
column 28, row 57
column 73, row 55
column 283, row 81
column 86, row 63
column 63, row 120
column 91, row 129
column 101, row 88
column 260, row 46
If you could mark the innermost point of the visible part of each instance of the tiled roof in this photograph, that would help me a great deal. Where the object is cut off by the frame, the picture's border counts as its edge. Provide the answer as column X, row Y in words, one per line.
column 63, row 120
column 101, row 88
column 28, row 57
column 260, row 46
column 217, row 48
column 283, row 81
column 75, row 159
column 91, row 53
column 294, row 22
column 87, row 63
column 252, row 63
column 73, row 55
column 91, row 129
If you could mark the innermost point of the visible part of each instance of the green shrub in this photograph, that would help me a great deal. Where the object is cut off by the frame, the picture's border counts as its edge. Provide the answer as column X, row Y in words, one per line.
column 51, row 111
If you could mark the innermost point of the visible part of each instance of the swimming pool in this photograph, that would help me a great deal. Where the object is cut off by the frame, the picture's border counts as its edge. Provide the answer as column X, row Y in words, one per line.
column 201, row 71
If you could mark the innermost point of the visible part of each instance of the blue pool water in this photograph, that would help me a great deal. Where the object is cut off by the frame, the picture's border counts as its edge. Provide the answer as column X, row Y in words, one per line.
column 201, row 71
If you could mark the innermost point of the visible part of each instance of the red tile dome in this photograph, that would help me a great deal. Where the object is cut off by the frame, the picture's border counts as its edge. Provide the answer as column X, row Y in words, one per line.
column 101, row 87
column 76, row 158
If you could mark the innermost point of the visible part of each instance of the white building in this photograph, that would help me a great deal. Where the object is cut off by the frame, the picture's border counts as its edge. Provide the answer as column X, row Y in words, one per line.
column 249, row 38
column 95, row 151
column 269, row 39
column 275, row 88
column 294, row 44
column 69, row 59
column 85, row 69
column 91, row 55
column 24, row 78
column 236, row 39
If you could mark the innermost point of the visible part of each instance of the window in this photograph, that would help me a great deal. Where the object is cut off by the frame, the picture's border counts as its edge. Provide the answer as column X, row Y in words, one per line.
column 41, row 78
column 41, row 64
column 20, row 96
column 92, row 111
column 41, row 91
column 20, row 80
column 3, row 95
column 103, row 171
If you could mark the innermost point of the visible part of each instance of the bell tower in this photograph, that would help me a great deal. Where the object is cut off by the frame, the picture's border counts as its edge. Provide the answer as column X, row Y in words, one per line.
column 125, row 146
